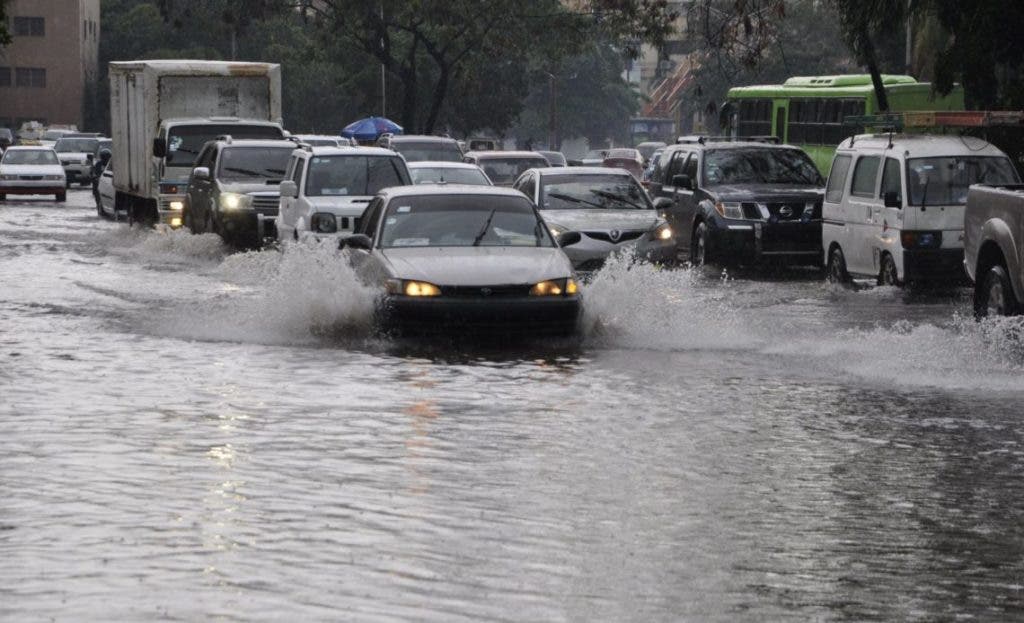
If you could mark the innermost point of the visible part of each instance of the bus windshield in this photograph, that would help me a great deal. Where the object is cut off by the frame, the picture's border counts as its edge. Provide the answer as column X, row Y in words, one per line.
column 945, row 180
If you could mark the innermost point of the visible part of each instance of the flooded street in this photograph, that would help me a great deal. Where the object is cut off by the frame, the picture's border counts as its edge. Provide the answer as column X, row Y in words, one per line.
column 191, row 435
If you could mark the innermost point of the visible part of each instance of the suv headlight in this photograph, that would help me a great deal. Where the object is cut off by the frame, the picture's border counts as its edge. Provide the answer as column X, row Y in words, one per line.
column 555, row 287
column 234, row 201
column 323, row 223
column 662, row 232
column 408, row 287
column 730, row 210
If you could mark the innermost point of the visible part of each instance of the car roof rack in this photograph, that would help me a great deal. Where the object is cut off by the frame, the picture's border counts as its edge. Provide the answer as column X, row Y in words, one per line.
column 701, row 140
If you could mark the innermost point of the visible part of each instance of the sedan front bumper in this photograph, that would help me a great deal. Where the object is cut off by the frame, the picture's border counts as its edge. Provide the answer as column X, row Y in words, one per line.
column 540, row 316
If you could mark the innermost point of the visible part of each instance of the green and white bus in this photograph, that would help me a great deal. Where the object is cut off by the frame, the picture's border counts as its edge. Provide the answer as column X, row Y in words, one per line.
column 809, row 111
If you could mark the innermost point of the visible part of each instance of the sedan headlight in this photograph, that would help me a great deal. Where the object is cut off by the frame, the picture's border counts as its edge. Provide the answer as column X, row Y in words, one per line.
column 8, row 177
column 234, row 201
column 323, row 223
column 555, row 287
column 662, row 232
column 408, row 287
column 730, row 210
column 53, row 177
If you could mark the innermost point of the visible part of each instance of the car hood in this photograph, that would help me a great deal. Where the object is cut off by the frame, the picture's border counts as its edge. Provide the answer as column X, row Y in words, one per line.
column 756, row 192
column 478, row 266
column 32, row 169
column 340, row 206
column 591, row 220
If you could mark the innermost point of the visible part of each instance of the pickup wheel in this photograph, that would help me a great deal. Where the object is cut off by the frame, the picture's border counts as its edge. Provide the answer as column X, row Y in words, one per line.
column 836, row 270
column 994, row 294
column 700, row 251
column 888, row 276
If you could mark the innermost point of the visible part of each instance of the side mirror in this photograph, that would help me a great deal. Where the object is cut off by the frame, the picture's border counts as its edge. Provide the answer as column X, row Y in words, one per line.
column 682, row 181
column 356, row 241
column 568, row 238
column 159, row 147
column 893, row 200
column 201, row 173
column 289, row 189
column 663, row 203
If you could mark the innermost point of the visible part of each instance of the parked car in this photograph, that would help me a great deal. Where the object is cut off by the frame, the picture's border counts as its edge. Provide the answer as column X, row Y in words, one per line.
column 31, row 170
column 741, row 202
column 233, row 189
column 327, row 189
column 994, row 248
column 322, row 140
column 625, row 158
column 103, row 193
column 647, row 150
column 448, row 173
column 419, row 148
column 77, row 155
column 606, row 206
column 504, row 167
column 6, row 138
column 554, row 158
column 894, row 205
column 465, row 258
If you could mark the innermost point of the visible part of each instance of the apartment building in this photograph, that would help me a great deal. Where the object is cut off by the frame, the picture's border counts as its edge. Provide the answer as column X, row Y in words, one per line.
column 51, row 65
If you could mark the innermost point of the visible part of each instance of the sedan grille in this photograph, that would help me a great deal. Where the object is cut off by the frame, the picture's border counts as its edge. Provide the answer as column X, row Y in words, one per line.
column 484, row 292
column 266, row 205
column 624, row 236
column 31, row 178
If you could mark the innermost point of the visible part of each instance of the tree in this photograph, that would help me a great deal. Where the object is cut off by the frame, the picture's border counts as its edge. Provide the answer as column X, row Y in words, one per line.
column 5, row 36
column 858, row 19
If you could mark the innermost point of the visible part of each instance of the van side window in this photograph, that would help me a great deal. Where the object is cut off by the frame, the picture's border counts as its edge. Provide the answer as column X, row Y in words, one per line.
column 300, row 164
column 865, row 174
column 891, row 182
column 837, row 179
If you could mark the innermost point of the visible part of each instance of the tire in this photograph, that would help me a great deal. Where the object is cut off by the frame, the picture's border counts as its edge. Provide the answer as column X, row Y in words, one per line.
column 994, row 294
column 835, row 271
column 186, row 219
column 62, row 197
column 888, row 275
column 700, row 250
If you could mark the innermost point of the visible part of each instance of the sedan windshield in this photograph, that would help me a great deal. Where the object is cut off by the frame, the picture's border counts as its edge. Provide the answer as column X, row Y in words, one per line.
column 253, row 163
column 421, row 151
column 463, row 221
column 759, row 166
column 185, row 141
column 504, row 171
column 30, row 156
column 361, row 176
column 81, row 145
column 448, row 175
column 945, row 181
column 581, row 192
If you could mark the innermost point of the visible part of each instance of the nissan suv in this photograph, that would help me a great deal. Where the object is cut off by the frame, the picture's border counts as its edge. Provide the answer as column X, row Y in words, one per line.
column 736, row 201
column 233, row 189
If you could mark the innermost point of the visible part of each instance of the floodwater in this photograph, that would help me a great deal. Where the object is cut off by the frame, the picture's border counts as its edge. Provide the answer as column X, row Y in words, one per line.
column 187, row 435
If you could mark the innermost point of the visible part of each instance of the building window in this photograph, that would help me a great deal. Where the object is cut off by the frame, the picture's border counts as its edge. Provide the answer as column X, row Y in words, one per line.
column 5, row 76
column 29, row 27
column 30, row 77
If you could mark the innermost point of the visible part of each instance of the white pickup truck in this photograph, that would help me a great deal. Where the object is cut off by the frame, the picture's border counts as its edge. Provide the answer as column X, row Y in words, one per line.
column 163, row 112
column 994, row 248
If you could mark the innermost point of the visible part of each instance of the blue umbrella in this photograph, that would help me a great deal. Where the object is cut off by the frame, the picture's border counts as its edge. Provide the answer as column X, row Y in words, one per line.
column 370, row 128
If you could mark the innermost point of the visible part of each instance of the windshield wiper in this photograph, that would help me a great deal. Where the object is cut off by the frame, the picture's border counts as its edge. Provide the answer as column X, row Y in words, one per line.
column 572, row 199
column 483, row 232
column 248, row 172
column 614, row 197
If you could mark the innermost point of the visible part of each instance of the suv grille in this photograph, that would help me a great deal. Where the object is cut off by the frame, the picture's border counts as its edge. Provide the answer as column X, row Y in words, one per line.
column 266, row 205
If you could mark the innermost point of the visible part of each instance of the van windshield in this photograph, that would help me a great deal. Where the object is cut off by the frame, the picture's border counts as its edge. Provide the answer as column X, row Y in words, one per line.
column 945, row 180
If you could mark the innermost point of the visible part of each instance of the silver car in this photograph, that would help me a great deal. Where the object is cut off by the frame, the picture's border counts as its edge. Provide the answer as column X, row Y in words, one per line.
column 608, row 207
column 471, row 259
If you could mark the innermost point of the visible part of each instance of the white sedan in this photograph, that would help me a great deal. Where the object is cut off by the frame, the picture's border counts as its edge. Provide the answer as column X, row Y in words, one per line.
column 32, row 170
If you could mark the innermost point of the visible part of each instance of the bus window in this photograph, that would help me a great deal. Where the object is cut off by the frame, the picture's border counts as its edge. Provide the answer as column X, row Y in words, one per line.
column 755, row 118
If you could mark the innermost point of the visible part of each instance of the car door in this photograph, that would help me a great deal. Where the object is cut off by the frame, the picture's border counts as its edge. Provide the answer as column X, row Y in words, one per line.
column 105, row 187
column 680, row 213
column 891, row 218
column 835, row 226
column 369, row 265
column 862, row 210
column 195, row 195
column 298, row 207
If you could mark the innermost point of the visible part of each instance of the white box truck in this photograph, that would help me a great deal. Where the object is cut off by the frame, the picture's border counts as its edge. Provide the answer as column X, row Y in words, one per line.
column 162, row 112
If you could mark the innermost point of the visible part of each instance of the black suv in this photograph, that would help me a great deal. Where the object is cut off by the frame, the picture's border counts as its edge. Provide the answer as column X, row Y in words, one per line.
column 740, row 201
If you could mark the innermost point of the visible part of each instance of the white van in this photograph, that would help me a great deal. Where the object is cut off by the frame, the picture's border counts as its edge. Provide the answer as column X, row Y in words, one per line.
column 894, row 205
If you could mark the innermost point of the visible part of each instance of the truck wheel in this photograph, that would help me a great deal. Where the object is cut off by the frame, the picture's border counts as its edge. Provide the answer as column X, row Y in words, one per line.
column 888, row 276
column 836, row 270
column 62, row 197
column 700, row 250
column 994, row 294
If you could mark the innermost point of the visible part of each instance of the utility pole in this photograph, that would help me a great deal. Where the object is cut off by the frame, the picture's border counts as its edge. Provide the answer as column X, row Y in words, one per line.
column 910, row 41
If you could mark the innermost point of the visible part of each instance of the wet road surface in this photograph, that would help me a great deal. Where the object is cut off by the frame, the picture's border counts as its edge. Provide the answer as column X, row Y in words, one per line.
column 187, row 434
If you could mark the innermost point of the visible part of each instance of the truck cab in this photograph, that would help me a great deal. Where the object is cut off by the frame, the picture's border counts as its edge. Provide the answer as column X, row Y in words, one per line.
column 994, row 248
